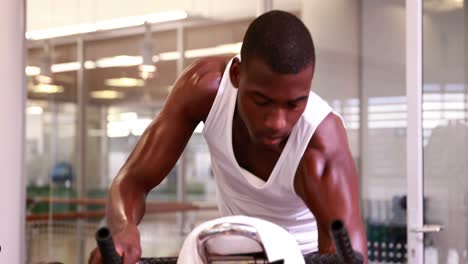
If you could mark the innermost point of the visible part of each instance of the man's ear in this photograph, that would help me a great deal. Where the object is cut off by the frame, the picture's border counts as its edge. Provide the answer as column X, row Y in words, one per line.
column 234, row 72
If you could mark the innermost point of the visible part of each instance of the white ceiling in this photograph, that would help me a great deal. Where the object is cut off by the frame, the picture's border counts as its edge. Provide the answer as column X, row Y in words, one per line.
column 42, row 14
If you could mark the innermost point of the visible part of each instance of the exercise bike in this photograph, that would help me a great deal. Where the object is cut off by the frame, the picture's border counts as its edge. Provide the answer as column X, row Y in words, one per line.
column 344, row 250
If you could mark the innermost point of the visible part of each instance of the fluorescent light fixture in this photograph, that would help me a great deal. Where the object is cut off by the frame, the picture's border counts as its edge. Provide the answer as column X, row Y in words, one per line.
column 47, row 88
column 100, row 25
column 44, row 79
column 32, row 70
column 34, row 110
column 119, row 61
column 106, row 94
column 128, row 61
column 124, row 82
column 60, row 31
column 167, row 56
column 72, row 66
column 90, row 65
column 147, row 68
column 60, row 67
column 65, row 67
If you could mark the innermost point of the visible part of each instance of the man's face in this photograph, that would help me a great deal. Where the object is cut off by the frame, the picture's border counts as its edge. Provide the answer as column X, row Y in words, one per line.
column 270, row 103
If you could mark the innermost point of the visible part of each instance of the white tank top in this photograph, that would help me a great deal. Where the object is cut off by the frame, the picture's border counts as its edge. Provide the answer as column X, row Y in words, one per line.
column 239, row 192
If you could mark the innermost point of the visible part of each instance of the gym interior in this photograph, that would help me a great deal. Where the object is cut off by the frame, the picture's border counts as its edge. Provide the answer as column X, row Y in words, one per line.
column 86, row 77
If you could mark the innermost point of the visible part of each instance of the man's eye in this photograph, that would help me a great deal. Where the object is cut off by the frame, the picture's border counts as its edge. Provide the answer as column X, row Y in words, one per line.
column 292, row 106
column 261, row 102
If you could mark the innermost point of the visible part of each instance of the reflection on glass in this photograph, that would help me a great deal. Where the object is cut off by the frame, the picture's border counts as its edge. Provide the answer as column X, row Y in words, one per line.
column 445, row 131
column 383, row 130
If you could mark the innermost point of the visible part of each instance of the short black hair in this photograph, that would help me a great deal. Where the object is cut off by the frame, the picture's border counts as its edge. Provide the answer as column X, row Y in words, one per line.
column 281, row 40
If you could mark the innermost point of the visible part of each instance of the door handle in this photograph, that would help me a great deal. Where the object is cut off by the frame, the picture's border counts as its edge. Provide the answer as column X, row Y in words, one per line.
column 427, row 229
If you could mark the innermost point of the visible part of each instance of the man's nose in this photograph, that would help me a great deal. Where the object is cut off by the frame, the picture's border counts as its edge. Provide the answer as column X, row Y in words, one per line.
column 276, row 120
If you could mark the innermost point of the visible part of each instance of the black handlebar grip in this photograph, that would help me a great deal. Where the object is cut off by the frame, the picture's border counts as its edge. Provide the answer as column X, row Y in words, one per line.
column 106, row 247
column 317, row 258
column 343, row 246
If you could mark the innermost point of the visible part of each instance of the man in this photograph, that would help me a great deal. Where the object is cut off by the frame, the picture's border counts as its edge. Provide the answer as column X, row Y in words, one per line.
column 278, row 151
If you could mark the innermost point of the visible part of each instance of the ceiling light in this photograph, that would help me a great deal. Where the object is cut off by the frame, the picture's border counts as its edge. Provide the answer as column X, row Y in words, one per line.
column 90, row 65
column 124, row 82
column 34, row 110
column 119, row 61
column 60, row 31
column 167, row 56
column 147, row 68
column 47, row 88
column 128, row 61
column 32, row 70
column 116, row 23
column 44, row 79
column 64, row 67
column 106, row 94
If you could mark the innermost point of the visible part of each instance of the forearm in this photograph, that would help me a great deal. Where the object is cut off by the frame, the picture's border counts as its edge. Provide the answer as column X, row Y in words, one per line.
column 125, row 204
column 151, row 160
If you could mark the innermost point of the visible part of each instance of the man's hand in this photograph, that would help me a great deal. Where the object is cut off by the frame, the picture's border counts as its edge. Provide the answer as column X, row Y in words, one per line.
column 127, row 244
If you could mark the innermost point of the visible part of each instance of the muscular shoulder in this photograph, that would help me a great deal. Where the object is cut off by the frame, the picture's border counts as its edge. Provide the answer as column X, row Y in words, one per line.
column 327, row 154
column 196, row 88
column 330, row 138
